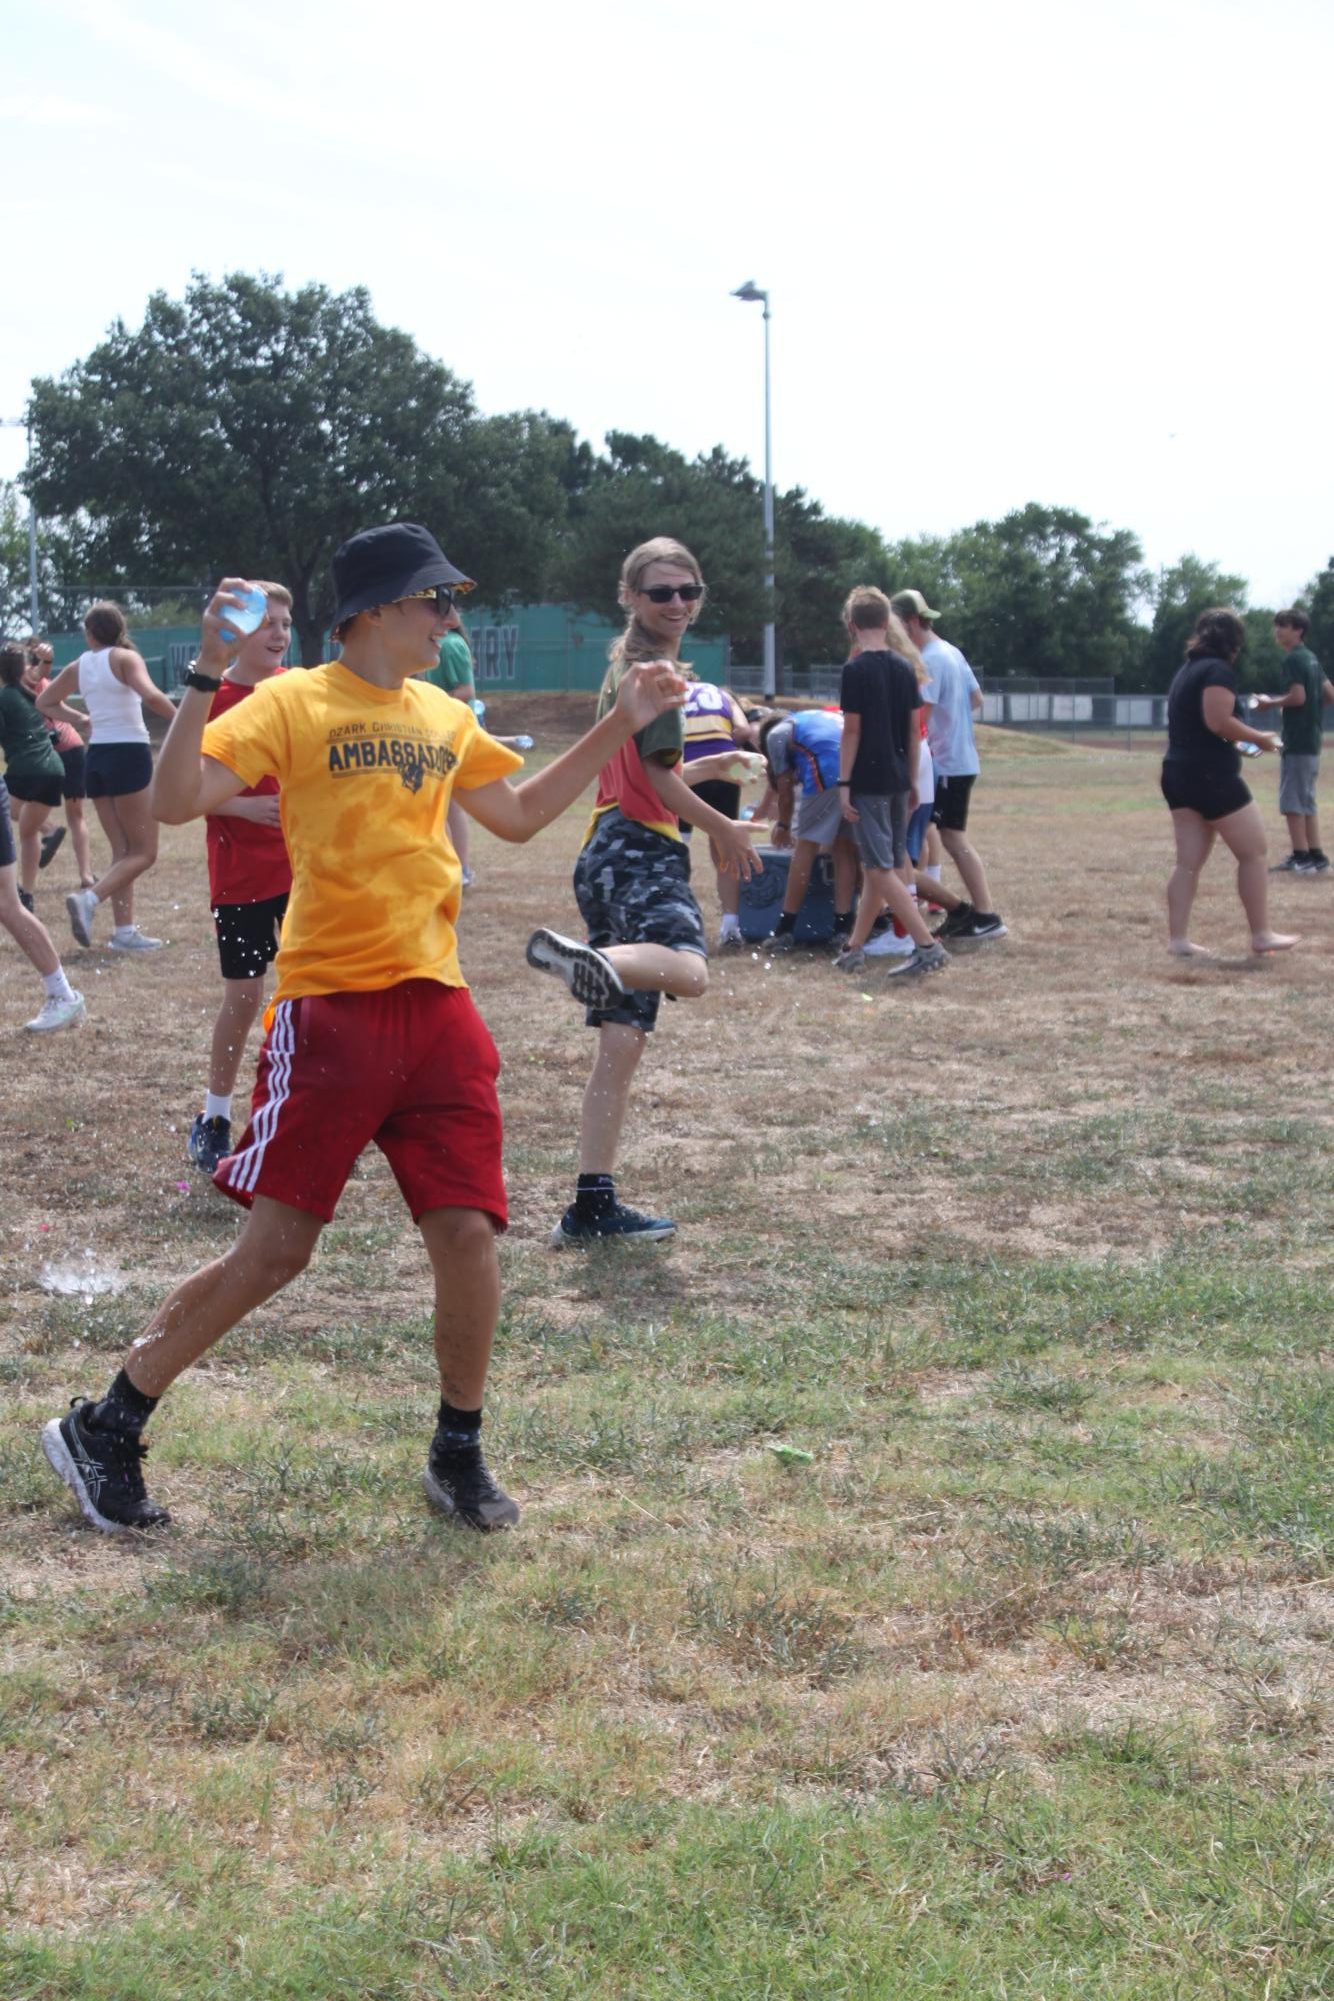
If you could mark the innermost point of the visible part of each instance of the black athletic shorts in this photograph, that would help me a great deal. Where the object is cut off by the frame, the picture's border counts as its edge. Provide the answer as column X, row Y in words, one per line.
column 76, row 771
column 7, row 854
column 36, row 791
column 248, row 935
column 950, row 810
column 116, row 769
column 1211, row 794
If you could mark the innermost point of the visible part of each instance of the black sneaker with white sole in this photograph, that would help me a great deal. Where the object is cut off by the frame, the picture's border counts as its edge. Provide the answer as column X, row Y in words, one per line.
column 590, row 977
column 956, row 922
column 51, row 840
column 613, row 1225
column 210, row 1142
column 458, row 1483
column 101, row 1466
column 982, row 924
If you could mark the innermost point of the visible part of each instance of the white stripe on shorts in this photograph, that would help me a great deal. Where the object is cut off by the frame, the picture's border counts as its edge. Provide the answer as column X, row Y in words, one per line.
column 243, row 1169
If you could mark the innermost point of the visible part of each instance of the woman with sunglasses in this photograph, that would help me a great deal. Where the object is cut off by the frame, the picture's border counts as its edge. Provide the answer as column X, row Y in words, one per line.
column 632, row 883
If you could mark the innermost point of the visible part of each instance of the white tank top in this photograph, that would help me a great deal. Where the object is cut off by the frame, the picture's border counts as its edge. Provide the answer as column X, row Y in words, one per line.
column 116, row 711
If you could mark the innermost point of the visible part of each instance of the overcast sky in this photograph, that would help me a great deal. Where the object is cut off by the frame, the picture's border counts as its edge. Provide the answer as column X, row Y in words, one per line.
column 1068, row 253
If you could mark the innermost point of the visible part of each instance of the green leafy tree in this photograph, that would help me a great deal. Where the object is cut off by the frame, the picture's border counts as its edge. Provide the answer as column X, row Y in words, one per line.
column 1181, row 593
column 58, row 557
column 1318, row 600
column 248, row 430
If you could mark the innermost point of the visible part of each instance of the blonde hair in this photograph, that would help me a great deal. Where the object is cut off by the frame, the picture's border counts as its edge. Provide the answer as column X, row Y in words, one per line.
column 634, row 644
column 278, row 591
column 867, row 609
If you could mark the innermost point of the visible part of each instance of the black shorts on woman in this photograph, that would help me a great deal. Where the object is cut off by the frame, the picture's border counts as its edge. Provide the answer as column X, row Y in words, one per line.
column 114, row 770
column 1202, row 770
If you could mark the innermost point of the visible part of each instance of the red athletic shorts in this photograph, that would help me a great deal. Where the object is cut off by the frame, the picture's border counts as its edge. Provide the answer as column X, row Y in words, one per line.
column 412, row 1067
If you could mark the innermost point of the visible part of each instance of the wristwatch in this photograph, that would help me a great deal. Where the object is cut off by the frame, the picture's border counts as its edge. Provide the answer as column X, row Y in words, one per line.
column 204, row 682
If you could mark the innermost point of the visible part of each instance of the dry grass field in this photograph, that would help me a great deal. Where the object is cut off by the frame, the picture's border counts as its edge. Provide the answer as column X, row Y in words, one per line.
column 1022, row 1686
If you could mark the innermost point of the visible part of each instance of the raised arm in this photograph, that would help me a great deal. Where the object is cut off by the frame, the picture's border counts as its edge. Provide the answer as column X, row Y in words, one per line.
column 187, row 784
column 517, row 812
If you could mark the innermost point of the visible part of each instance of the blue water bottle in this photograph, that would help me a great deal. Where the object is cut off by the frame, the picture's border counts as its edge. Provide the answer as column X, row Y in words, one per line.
column 248, row 616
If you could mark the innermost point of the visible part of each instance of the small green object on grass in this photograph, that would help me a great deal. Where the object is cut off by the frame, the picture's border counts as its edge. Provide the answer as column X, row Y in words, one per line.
column 791, row 1455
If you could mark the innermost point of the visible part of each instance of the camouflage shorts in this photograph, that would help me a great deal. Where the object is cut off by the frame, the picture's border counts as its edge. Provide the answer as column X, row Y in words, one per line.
column 633, row 888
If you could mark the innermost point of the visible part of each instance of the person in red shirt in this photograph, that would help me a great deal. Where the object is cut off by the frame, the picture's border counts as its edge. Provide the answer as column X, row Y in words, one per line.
column 249, row 881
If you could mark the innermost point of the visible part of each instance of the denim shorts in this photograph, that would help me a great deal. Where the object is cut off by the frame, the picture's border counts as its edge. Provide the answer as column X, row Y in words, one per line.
column 632, row 886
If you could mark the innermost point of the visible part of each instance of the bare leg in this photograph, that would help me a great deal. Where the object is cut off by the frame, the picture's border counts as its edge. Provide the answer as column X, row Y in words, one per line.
column 799, row 877
column 28, row 932
column 931, row 891
column 461, row 1244
column 274, row 1246
column 845, row 875
column 884, row 889
column 131, row 831
column 1244, row 834
column 660, row 969
column 32, row 818
column 1194, row 838
column 241, row 1003
column 607, row 1095
column 77, row 821
column 1297, row 832
column 969, row 864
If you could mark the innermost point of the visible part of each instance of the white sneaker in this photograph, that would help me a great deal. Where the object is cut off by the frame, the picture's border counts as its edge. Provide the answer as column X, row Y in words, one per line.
column 134, row 941
column 58, row 1013
column 887, row 946
column 81, row 903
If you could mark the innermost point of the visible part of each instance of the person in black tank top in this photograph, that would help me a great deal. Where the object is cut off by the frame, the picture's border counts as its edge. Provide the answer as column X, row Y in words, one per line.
column 1203, row 786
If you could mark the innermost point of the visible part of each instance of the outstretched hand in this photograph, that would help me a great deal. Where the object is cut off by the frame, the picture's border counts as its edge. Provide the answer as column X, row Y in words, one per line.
column 219, row 643
column 736, row 852
column 648, row 690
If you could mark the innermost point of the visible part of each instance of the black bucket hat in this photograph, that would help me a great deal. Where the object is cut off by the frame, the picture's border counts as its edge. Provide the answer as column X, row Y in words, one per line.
column 381, row 565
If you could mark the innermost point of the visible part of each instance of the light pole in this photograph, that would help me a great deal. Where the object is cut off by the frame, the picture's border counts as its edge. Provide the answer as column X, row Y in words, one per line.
column 753, row 295
column 22, row 424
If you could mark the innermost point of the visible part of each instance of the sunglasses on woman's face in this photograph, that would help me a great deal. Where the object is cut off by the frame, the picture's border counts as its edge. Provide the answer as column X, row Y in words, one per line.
column 442, row 594
column 664, row 593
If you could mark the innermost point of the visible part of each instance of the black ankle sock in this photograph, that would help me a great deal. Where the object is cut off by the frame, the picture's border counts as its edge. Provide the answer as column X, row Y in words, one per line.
column 787, row 921
column 594, row 1195
column 842, row 921
column 456, row 1429
column 124, row 1408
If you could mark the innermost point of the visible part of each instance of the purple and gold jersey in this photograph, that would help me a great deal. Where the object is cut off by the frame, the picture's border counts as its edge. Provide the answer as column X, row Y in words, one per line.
column 710, row 719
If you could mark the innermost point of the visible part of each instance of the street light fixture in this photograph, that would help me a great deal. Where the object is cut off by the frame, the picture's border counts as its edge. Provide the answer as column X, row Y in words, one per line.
column 752, row 294
column 24, row 424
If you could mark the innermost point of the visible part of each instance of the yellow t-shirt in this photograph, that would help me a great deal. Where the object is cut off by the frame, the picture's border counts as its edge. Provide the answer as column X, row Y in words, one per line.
column 365, row 777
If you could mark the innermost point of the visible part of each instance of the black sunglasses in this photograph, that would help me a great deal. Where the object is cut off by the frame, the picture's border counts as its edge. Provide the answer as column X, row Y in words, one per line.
column 664, row 593
column 443, row 595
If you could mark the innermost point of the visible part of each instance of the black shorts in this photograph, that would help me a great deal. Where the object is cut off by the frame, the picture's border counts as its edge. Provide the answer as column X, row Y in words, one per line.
column 248, row 935
column 114, row 770
column 722, row 795
column 950, row 810
column 633, row 888
column 75, row 761
column 1211, row 794
column 36, row 791
column 7, row 854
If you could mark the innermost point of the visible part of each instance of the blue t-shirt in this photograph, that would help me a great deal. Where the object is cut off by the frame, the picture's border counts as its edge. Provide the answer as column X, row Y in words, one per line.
column 950, row 687
column 809, row 745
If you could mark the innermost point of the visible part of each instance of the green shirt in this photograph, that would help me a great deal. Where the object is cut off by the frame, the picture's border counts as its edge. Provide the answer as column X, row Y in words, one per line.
column 25, row 738
column 1303, row 728
column 455, row 665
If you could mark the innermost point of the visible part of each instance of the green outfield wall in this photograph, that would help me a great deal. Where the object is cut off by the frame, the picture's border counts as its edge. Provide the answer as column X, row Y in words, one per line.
column 538, row 648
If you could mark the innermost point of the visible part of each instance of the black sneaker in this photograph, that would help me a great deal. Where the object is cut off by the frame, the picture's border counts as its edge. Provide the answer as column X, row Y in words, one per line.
column 781, row 941
column 210, row 1142
column 1317, row 863
column 100, row 1466
column 1293, row 864
column 983, row 924
column 25, row 898
column 956, row 923
column 925, row 959
column 458, row 1482
column 590, row 977
column 50, row 842
column 618, row 1225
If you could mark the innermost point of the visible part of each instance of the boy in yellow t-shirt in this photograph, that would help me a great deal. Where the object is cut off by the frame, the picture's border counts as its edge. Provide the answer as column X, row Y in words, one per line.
column 372, row 1034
